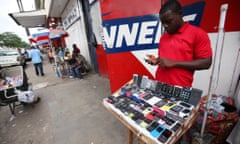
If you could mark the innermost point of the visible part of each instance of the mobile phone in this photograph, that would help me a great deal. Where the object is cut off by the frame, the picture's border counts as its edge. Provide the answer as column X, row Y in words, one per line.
column 186, row 105
column 147, row 97
column 153, row 100
column 165, row 136
column 176, row 127
column 168, row 121
column 185, row 113
column 137, row 116
column 158, row 131
column 145, row 123
column 168, row 106
column 185, row 94
column 144, row 82
column 177, row 91
column 176, row 109
column 160, row 103
column 152, row 126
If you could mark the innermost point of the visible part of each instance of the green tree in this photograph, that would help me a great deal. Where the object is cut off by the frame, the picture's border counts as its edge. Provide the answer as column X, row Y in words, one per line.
column 10, row 39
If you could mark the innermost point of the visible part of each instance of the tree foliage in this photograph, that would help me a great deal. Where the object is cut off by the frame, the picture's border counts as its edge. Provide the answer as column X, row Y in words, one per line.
column 10, row 39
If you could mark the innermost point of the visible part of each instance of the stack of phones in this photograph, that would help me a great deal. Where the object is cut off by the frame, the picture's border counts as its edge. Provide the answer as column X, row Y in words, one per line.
column 159, row 108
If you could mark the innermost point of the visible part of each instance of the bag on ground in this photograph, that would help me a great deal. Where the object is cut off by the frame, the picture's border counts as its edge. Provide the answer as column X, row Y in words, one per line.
column 26, row 96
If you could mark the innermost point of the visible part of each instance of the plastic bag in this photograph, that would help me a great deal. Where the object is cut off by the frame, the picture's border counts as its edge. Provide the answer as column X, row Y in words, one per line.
column 26, row 96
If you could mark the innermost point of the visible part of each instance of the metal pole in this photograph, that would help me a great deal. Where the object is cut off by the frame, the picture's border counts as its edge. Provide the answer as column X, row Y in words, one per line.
column 90, row 35
column 215, row 69
column 21, row 9
column 20, row 6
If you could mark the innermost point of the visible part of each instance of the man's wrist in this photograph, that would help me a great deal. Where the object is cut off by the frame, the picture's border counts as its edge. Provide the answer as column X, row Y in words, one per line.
column 157, row 61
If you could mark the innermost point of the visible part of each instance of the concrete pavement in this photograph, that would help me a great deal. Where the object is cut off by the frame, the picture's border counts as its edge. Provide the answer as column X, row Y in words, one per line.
column 70, row 112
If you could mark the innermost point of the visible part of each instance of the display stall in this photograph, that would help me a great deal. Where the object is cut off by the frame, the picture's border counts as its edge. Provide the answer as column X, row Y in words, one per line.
column 15, row 89
column 10, row 79
column 154, row 111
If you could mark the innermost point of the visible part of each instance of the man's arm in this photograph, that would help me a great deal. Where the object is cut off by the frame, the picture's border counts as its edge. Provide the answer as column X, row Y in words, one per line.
column 199, row 64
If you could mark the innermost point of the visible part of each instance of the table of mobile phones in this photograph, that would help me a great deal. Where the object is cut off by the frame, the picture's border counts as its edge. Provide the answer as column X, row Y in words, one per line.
column 153, row 111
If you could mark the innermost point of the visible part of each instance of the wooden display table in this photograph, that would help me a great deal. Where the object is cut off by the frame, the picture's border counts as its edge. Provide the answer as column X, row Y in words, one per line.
column 142, row 134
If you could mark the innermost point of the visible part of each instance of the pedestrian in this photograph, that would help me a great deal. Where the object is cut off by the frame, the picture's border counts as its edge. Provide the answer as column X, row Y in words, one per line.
column 21, row 57
column 22, row 60
column 50, row 56
column 75, row 49
column 37, row 60
column 183, row 48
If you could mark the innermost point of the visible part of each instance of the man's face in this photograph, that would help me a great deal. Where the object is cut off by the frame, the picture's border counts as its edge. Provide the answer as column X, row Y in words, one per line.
column 171, row 21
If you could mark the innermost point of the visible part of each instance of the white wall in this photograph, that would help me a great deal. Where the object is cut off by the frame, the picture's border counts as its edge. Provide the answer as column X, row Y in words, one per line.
column 77, row 32
column 228, row 71
column 97, row 21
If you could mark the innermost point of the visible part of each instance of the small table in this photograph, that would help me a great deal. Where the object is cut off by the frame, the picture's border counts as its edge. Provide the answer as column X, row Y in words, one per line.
column 134, row 129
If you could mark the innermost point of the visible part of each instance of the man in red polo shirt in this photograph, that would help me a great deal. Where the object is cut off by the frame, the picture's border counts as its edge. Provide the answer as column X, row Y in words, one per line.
column 183, row 48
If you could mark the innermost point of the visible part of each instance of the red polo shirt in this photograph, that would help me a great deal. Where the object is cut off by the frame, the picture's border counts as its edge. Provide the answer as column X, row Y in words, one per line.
column 189, row 43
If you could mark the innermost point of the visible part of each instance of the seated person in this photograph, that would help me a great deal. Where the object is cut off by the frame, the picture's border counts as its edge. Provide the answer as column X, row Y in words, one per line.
column 86, row 67
column 81, row 59
column 75, row 68
column 67, row 56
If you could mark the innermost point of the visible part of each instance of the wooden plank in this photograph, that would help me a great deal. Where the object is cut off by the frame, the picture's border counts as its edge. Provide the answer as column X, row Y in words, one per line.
column 130, row 136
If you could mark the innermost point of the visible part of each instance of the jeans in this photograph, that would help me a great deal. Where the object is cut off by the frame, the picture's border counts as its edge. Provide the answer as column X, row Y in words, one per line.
column 38, row 69
column 76, row 72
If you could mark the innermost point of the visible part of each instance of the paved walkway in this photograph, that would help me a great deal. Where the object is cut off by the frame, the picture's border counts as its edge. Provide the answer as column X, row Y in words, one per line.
column 70, row 112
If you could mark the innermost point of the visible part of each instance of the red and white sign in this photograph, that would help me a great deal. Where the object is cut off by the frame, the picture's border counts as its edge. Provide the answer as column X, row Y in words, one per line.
column 132, row 29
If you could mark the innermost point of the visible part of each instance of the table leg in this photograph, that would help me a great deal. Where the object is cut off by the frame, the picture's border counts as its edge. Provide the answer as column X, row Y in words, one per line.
column 140, row 141
column 130, row 136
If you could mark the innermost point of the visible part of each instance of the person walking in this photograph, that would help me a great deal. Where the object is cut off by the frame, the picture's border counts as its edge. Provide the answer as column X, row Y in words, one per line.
column 37, row 59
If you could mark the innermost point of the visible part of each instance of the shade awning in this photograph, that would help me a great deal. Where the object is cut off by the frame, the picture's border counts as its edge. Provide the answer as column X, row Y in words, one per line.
column 30, row 19
column 52, row 33
column 47, row 35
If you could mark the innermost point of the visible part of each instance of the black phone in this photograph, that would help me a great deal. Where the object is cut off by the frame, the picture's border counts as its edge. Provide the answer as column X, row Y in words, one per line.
column 165, row 136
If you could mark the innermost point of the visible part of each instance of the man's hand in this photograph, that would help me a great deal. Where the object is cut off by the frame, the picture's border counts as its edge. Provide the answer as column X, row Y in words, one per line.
column 163, row 62
column 151, row 59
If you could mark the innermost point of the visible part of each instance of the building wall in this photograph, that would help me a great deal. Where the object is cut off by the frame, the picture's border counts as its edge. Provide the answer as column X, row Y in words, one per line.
column 97, row 30
column 226, row 82
column 76, row 28
column 229, row 66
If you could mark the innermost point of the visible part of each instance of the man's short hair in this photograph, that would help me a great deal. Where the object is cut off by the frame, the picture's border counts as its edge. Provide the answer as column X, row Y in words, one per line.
column 172, row 5
column 74, row 45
